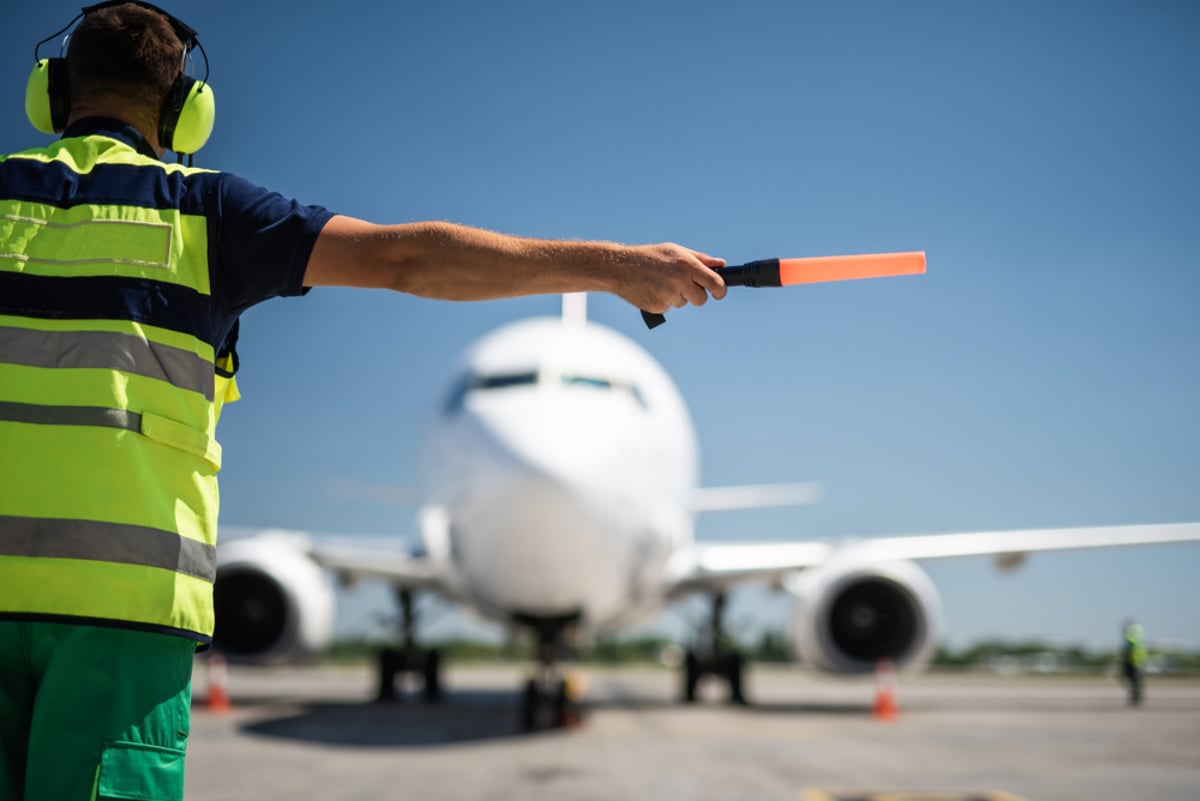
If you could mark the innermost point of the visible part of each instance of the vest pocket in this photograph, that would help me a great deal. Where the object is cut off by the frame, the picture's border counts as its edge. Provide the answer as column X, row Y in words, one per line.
column 183, row 437
column 140, row 772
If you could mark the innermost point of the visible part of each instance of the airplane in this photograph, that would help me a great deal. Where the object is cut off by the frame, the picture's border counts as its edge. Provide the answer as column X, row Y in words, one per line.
column 558, row 496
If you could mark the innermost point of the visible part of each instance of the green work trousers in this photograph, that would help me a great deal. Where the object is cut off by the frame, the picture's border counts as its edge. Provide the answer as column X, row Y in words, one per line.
column 88, row 712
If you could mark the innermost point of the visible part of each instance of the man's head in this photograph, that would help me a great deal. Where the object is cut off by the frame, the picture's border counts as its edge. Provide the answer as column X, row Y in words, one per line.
column 124, row 59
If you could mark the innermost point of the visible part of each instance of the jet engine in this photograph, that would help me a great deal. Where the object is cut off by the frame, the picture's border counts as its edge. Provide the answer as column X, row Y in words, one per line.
column 273, row 603
column 848, row 616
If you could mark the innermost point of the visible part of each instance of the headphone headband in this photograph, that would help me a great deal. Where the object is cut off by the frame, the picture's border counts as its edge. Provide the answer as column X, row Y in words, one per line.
column 186, row 33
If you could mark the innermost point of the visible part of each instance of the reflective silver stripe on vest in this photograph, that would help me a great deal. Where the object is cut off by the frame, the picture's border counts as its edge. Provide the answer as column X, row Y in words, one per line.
column 106, row 542
column 107, row 350
column 70, row 415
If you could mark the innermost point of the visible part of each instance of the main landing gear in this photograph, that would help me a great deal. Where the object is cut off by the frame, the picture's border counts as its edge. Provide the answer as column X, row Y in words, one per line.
column 409, row 659
column 717, row 659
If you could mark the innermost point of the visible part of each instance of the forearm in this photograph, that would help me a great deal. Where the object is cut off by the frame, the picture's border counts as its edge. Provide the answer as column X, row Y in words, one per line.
column 455, row 262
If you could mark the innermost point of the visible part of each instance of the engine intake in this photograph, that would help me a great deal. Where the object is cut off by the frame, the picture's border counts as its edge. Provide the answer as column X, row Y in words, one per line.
column 273, row 604
column 850, row 616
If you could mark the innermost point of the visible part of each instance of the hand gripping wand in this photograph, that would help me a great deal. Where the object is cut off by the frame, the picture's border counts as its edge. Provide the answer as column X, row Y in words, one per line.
column 787, row 272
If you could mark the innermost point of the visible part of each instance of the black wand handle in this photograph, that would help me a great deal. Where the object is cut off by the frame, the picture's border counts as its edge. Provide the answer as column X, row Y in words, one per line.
column 653, row 319
column 764, row 272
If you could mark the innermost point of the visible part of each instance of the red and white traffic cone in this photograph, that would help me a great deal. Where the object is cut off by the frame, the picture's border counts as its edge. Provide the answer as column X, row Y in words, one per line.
column 886, row 707
column 217, row 699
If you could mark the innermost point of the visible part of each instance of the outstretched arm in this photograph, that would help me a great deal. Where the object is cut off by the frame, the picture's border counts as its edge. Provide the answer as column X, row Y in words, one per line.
column 455, row 262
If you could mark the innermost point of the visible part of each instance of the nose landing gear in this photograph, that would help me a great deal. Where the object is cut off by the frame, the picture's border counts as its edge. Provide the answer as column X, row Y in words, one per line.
column 550, row 699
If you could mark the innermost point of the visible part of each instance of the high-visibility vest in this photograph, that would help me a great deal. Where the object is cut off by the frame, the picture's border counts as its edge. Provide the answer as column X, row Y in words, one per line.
column 108, row 392
column 1135, row 646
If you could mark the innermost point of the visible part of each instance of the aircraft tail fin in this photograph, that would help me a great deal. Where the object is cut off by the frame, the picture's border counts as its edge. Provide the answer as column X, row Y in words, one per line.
column 574, row 308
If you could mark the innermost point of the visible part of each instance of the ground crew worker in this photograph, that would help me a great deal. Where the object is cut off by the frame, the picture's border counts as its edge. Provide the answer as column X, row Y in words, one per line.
column 1133, row 660
column 121, row 282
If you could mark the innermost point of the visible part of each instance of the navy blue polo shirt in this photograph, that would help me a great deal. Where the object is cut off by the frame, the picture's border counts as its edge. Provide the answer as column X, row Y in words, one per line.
column 258, row 241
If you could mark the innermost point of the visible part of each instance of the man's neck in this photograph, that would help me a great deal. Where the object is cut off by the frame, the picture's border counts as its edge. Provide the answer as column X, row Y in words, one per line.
column 84, row 110
column 115, row 128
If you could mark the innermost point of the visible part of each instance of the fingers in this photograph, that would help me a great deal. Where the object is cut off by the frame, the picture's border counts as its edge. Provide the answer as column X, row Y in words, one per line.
column 694, row 294
column 672, row 276
column 705, row 279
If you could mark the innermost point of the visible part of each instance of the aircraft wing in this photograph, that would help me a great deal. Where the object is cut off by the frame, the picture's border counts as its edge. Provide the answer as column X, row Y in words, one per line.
column 358, row 561
column 717, row 566
column 357, row 557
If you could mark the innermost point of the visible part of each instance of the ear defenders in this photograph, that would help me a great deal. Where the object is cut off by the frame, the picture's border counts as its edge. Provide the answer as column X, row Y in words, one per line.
column 188, row 111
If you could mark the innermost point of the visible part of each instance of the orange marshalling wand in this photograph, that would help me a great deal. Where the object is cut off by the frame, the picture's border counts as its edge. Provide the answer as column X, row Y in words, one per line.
column 786, row 272
column 847, row 268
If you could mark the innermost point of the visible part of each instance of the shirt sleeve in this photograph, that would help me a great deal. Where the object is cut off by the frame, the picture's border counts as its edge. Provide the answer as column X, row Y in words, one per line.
column 263, row 242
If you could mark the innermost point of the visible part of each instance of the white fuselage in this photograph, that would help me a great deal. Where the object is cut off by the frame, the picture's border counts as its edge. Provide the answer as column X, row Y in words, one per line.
column 562, row 462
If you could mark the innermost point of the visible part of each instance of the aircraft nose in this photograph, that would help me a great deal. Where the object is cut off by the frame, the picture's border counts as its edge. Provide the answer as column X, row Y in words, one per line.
column 576, row 446
column 533, row 514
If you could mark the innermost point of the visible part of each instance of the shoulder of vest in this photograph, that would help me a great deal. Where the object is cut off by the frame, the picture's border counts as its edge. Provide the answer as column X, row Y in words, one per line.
column 82, row 153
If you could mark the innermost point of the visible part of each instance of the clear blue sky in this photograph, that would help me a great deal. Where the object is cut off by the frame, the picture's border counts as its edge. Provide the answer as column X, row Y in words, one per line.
column 1045, row 372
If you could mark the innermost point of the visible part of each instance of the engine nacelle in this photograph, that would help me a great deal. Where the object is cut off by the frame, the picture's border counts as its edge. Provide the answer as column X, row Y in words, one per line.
column 850, row 615
column 273, row 603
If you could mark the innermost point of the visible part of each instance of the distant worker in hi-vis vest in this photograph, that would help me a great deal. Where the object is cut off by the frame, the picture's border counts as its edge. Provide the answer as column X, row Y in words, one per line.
column 122, row 278
column 1133, row 660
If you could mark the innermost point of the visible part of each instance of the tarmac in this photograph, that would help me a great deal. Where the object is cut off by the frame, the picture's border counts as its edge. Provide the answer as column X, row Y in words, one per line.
column 315, row 733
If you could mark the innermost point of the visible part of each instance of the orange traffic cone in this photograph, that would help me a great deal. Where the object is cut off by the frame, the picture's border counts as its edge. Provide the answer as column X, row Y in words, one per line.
column 217, row 699
column 885, row 691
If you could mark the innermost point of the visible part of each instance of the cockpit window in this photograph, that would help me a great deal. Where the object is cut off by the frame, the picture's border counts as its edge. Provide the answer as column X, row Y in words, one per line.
column 592, row 382
column 583, row 381
column 469, row 383
column 496, row 381
column 504, row 380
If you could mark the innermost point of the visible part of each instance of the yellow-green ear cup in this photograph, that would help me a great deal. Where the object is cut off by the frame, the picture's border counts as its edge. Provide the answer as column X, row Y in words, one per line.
column 193, row 123
column 47, row 101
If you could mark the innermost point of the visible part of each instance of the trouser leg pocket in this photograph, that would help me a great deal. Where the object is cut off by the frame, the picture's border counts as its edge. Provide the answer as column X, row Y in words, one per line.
column 140, row 772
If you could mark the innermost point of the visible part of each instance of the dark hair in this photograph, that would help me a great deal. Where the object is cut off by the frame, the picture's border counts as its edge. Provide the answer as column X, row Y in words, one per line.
column 126, row 51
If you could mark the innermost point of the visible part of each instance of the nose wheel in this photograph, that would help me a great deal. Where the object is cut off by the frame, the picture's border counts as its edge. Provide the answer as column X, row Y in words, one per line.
column 548, row 704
